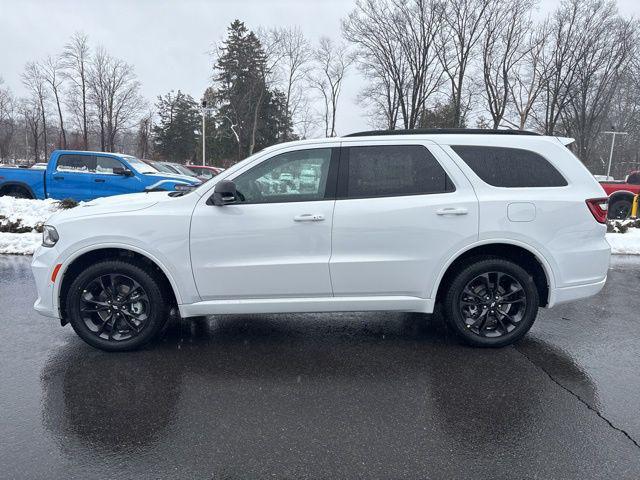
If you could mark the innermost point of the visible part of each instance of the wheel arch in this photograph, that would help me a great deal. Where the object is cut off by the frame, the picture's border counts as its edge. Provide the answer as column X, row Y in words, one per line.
column 7, row 185
column 621, row 194
column 524, row 255
column 90, row 255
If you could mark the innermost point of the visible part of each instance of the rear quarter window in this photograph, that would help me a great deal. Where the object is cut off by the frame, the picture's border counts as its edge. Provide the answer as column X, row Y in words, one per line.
column 510, row 167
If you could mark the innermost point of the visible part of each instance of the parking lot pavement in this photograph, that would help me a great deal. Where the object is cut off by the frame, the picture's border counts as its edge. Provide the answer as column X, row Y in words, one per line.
column 314, row 396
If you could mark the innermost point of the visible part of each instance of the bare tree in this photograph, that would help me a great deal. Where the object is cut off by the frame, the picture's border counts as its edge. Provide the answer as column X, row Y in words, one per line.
column 379, row 58
column 289, row 57
column 609, row 44
column 76, row 59
column 396, row 46
column 505, row 34
column 463, row 27
column 52, row 69
column 332, row 61
column 7, row 123
column 33, row 78
column 30, row 110
column 143, row 140
column 114, row 92
column 528, row 76
column 561, row 58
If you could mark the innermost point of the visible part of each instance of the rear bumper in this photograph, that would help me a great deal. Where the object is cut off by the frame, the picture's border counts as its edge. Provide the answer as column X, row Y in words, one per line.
column 574, row 292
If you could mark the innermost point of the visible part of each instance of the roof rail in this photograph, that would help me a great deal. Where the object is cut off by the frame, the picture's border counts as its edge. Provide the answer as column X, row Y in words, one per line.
column 440, row 131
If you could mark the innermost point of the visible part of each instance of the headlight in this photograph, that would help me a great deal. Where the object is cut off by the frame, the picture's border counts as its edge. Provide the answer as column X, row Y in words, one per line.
column 183, row 188
column 49, row 236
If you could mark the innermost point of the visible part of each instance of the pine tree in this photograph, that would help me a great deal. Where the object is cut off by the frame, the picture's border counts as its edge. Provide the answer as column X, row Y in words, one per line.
column 249, row 116
column 176, row 136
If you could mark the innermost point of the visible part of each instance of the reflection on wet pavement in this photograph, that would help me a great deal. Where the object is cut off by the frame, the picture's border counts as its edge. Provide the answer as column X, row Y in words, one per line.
column 368, row 395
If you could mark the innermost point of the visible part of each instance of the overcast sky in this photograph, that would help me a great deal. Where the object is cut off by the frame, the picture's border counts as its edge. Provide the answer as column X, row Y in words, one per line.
column 169, row 42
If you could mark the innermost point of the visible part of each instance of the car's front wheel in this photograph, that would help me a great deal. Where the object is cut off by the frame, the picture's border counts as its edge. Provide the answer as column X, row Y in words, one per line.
column 491, row 303
column 116, row 306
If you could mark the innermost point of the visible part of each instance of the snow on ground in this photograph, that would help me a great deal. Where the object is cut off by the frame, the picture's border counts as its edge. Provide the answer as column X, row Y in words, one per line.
column 30, row 213
column 625, row 243
column 19, row 243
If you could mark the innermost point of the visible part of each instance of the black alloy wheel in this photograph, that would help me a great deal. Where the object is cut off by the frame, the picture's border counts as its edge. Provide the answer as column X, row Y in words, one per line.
column 116, row 305
column 492, row 302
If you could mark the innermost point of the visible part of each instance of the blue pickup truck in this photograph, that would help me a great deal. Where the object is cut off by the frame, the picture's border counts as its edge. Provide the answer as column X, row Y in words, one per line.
column 82, row 175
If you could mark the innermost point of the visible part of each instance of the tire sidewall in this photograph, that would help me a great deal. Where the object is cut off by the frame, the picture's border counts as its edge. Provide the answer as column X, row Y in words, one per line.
column 153, row 324
column 452, row 301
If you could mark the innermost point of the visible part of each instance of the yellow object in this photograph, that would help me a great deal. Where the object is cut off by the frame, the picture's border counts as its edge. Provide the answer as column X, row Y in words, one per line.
column 634, row 206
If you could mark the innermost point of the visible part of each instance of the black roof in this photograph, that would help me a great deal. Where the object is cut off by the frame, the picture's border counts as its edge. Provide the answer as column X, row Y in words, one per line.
column 440, row 131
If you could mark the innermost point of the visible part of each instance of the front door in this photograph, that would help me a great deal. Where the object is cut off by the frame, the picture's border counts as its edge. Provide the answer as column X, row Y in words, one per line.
column 403, row 209
column 108, row 183
column 275, row 241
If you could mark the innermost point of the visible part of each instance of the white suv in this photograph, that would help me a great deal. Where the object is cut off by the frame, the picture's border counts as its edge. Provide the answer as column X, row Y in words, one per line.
column 489, row 225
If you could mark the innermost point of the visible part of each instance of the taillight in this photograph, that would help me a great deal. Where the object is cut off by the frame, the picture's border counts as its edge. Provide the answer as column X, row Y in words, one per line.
column 598, row 207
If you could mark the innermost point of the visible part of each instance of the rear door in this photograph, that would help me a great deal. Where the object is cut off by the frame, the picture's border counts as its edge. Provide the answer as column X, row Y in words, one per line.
column 403, row 209
column 73, row 177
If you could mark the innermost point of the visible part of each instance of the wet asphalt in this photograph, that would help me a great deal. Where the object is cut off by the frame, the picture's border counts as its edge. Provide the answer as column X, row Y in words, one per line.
column 382, row 395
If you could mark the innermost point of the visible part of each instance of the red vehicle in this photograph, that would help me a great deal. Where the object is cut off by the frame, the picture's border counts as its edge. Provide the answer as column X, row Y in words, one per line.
column 204, row 172
column 621, row 193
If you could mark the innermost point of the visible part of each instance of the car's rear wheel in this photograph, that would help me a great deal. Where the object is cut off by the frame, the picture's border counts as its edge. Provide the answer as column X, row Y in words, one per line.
column 620, row 209
column 491, row 303
column 116, row 306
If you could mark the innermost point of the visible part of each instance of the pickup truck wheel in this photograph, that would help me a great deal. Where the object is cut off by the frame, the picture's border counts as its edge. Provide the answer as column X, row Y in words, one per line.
column 116, row 306
column 16, row 192
column 491, row 303
column 620, row 209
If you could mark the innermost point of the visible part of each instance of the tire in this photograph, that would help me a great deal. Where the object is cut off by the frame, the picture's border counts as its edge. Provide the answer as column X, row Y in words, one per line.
column 17, row 192
column 130, row 308
column 497, row 321
column 620, row 210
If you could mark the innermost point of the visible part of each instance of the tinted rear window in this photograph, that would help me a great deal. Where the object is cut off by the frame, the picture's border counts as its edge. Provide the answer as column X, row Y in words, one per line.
column 510, row 167
column 394, row 170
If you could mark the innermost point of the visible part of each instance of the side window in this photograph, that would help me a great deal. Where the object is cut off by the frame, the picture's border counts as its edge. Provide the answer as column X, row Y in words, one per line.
column 107, row 164
column 394, row 170
column 510, row 167
column 76, row 163
column 289, row 177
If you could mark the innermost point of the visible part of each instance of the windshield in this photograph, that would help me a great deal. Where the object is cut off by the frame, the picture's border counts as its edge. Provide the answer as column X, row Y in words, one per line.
column 139, row 165
column 162, row 167
column 183, row 170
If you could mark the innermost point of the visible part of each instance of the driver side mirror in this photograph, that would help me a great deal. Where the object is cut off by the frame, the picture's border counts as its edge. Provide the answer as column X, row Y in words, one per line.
column 224, row 193
column 125, row 172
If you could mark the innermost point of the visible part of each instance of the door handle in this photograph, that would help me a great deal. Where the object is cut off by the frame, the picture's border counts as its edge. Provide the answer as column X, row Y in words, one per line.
column 58, row 177
column 452, row 211
column 309, row 217
column 98, row 180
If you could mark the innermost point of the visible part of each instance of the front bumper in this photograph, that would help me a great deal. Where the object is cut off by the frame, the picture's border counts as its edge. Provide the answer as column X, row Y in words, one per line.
column 42, row 265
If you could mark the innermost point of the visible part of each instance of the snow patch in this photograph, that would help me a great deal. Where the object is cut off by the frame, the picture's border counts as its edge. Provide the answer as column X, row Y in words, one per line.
column 19, row 243
column 625, row 243
column 30, row 213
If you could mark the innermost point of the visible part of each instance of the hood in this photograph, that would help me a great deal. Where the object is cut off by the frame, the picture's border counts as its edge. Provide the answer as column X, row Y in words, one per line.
column 174, row 176
column 114, row 204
